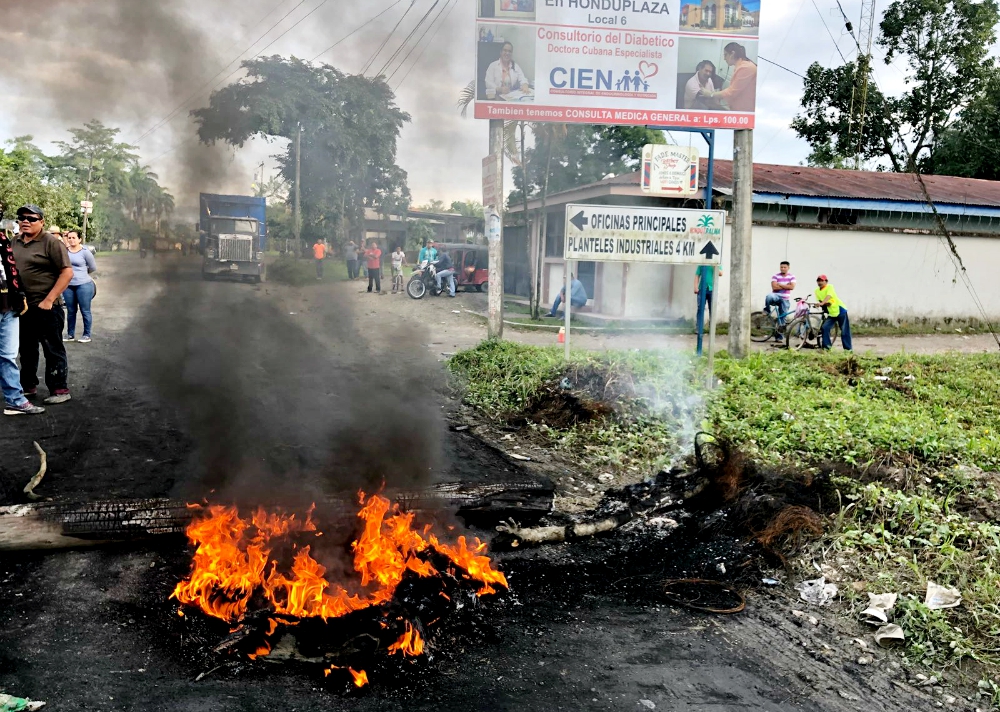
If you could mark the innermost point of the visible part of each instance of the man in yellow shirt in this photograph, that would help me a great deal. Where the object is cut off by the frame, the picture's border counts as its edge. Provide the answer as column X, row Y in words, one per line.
column 836, row 313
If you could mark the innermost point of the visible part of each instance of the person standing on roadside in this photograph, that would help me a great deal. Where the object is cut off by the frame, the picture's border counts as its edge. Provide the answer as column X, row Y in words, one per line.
column 319, row 254
column 704, row 286
column 780, row 297
column 12, row 305
column 81, row 289
column 836, row 313
column 351, row 257
column 373, row 261
column 45, row 271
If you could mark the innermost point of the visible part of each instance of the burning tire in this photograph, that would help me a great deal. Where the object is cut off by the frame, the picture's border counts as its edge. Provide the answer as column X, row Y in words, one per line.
column 416, row 287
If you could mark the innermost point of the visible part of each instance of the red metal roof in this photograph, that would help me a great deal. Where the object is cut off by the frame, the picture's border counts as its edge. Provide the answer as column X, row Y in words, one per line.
column 839, row 183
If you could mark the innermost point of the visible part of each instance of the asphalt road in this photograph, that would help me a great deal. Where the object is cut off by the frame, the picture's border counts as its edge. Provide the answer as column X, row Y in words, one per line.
column 232, row 391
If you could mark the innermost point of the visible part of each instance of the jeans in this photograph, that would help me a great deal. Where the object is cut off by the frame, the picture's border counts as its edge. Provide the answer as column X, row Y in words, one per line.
column 45, row 329
column 319, row 269
column 10, row 378
column 352, row 269
column 704, row 298
column 845, row 330
column 558, row 303
column 776, row 300
column 450, row 274
column 375, row 277
column 79, row 296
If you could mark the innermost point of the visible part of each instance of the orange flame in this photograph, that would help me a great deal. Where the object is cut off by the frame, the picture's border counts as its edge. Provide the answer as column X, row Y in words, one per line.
column 410, row 643
column 233, row 560
column 360, row 678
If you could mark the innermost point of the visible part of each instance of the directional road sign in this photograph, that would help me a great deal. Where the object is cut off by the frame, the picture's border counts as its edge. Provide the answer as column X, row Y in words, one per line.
column 616, row 233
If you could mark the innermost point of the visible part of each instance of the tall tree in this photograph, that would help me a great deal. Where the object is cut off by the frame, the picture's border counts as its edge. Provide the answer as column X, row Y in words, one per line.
column 946, row 47
column 350, row 127
column 971, row 146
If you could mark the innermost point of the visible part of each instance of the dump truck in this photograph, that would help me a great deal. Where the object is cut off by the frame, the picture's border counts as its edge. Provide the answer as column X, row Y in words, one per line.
column 233, row 237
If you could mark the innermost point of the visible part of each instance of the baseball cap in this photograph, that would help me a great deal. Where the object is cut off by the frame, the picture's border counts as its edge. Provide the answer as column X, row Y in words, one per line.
column 823, row 277
column 31, row 209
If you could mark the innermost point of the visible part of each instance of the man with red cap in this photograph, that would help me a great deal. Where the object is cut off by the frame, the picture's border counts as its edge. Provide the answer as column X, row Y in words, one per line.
column 836, row 313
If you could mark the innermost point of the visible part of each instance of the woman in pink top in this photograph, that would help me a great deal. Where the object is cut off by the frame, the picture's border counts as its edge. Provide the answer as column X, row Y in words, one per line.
column 741, row 94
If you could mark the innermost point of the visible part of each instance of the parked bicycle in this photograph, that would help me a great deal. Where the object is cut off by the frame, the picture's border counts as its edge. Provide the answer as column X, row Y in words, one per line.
column 805, row 331
column 767, row 325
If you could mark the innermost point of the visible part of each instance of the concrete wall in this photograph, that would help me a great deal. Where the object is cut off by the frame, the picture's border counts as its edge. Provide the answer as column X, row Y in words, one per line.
column 878, row 275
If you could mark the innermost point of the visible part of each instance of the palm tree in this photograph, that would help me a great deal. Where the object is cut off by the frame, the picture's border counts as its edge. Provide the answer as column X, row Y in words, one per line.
column 143, row 187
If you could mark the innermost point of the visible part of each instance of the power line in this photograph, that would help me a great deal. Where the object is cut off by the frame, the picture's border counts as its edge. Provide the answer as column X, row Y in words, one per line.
column 198, row 91
column 408, row 38
column 780, row 66
column 342, row 39
column 371, row 60
column 419, row 56
column 439, row 21
column 829, row 31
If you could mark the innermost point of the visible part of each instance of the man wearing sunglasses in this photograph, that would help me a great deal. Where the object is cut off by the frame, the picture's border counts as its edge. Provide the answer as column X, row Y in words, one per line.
column 45, row 270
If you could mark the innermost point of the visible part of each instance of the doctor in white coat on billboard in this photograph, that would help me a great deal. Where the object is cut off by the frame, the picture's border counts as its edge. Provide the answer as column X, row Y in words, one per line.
column 505, row 75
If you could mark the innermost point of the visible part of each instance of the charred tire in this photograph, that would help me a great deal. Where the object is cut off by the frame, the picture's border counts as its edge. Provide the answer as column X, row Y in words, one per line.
column 415, row 288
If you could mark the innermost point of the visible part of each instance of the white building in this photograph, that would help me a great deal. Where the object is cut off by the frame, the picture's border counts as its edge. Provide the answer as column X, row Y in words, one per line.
column 873, row 234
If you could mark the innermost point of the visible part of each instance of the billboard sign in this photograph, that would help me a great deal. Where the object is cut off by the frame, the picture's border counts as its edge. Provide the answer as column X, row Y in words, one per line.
column 669, row 170
column 625, row 62
column 616, row 233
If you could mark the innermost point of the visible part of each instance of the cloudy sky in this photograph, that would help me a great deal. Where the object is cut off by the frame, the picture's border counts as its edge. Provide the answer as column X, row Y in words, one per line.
column 143, row 64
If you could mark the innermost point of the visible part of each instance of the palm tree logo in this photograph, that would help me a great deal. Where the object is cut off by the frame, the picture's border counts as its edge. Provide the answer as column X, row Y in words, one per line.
column 706, row 221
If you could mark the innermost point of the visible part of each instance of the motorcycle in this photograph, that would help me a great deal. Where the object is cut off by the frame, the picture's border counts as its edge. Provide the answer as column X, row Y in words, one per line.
column 422, row 282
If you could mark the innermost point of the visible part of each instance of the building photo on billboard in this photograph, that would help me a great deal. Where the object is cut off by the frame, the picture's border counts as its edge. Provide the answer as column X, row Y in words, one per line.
column 715, row 74
column 512, row 9
column 563, row 61
column 731, row 17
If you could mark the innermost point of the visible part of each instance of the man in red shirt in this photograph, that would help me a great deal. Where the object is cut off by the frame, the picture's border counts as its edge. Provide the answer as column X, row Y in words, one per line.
column 373, row 260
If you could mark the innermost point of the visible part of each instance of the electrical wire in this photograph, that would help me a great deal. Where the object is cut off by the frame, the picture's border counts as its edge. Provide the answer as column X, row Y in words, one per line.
column 353, row 32
column 406, row 41
column 439, row 21
column 419, row 56
column 356, row 30
column 200, row 89
column 371, row 60
column 829, row 31
column 779, row 66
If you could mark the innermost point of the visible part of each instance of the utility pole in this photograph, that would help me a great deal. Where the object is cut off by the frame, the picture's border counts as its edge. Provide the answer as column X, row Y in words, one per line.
column 741, row 245
column 86, row 194
column 494, row 236
column 298, row 180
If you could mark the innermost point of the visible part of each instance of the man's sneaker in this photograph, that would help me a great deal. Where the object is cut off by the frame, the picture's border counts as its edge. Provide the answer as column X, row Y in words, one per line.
column 68, row 337
column 26, row 408
column 57, row 397
column 29, row 392
column 84, row 339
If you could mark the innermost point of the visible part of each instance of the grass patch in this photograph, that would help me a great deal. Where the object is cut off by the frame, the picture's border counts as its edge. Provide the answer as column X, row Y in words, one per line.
column 929, row 410
column 650, row 406
column 916, row 438
column 299, row 273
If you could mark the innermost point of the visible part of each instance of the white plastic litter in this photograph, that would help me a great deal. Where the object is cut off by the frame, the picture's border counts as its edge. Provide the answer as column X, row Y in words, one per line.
column 817, row 592
column 939, row 597
column 879, row 607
